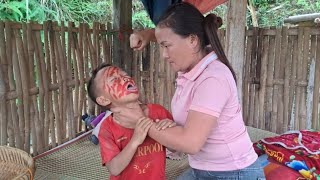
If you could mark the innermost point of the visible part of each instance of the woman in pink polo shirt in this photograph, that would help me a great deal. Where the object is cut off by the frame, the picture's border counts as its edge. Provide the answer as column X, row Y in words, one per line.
column 205, row 103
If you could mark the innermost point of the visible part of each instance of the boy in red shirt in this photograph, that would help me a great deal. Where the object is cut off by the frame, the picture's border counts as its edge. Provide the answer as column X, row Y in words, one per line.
column 127, row 153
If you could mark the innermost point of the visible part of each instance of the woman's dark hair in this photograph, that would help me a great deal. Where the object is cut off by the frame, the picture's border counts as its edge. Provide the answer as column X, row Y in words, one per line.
column 91, row 87
column 184, row 19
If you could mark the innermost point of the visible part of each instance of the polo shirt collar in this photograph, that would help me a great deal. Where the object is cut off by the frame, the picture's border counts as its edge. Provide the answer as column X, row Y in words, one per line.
column 200, row 67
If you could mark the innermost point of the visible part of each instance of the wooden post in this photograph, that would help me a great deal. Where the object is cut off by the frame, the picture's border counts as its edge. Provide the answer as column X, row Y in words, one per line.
column 235, row 39
column 122, row 56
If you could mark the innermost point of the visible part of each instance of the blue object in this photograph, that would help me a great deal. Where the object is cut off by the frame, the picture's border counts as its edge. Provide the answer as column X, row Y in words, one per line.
column 88, row 119
column 155, row 8
column 94, row 139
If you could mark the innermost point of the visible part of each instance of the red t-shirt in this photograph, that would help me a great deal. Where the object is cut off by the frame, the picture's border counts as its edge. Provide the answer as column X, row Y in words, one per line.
column 148, row 163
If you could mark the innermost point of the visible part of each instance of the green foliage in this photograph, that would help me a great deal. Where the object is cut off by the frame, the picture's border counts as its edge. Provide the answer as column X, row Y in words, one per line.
column 269, row 12
column 140, row 17
column 57, row 10
column 273, row 12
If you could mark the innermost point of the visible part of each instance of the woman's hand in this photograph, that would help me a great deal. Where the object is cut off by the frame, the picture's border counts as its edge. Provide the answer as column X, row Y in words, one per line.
column 127, row 117
column 164, row 124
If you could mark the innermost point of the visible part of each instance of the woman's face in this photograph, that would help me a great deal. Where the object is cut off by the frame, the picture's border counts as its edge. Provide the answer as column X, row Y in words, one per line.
column 177, row 50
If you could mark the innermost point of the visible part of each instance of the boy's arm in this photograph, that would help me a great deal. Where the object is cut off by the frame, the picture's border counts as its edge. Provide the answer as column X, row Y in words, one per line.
column 121, row 160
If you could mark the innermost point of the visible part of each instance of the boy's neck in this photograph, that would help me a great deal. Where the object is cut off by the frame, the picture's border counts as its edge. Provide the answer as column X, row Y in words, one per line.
column 127, row 105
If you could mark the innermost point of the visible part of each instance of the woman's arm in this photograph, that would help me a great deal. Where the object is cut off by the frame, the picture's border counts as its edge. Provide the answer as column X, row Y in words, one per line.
column 139, row 39
column 189, row 138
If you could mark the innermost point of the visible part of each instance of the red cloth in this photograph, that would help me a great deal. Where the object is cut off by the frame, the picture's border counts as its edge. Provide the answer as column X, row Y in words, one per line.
column 205, row 6
column 299, row 150
column 149, row 160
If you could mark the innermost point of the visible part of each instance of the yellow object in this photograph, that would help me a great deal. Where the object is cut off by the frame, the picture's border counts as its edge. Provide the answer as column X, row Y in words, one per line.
column 306, row 174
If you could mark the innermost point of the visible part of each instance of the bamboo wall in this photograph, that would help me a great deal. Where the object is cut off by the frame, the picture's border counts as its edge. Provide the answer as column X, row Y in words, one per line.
column 282, row 79
column 44, row 70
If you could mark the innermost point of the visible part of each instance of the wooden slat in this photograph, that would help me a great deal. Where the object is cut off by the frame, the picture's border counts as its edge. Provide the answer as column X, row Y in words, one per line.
column 305, row 59
column 276, row 94
column 283, row 126
column 246, row 84
column 3, row 88
column 268, row 114
column 316, row 92
column 263, row 81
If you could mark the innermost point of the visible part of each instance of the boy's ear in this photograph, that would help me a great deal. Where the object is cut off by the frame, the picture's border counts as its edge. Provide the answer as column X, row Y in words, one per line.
column 102, row 101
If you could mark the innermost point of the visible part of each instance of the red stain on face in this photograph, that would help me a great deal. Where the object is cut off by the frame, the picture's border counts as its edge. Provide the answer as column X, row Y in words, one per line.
column 118, row 83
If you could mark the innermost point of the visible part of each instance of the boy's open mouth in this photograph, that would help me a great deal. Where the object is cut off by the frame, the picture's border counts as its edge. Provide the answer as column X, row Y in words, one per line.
column 131, row 87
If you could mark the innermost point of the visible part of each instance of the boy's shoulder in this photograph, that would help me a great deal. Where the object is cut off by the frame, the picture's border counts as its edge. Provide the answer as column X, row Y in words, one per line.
column 158, row 111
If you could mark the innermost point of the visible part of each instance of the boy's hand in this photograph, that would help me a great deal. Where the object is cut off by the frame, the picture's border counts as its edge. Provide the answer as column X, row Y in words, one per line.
column 141, row 130
column 164, row 124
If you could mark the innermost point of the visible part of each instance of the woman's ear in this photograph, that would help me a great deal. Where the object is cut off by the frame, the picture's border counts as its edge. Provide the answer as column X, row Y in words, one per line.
column 194, row 40
column 102, row 101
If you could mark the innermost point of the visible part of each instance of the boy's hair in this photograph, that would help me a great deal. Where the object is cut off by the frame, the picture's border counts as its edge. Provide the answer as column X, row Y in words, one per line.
column 91, row 87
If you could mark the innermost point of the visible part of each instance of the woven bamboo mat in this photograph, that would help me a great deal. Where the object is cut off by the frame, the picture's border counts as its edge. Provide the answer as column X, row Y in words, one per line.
column 81, row 160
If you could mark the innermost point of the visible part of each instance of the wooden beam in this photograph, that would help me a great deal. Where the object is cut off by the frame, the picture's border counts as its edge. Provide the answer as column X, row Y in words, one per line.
column 122, row 20
column 235, row 39
column 302, row 18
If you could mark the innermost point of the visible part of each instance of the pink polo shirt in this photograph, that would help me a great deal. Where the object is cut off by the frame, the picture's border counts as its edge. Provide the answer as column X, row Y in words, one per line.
column 210, row 88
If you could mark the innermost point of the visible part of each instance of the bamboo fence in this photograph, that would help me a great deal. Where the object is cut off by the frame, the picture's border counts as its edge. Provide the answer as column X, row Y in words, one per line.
column 44, row 69
column 282, row 79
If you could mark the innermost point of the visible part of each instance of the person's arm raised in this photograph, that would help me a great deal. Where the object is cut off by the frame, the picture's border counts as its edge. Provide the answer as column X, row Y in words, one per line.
column 189, row 138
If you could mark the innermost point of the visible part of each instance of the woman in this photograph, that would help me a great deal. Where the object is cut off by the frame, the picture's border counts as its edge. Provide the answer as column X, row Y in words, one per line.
column 205, row 103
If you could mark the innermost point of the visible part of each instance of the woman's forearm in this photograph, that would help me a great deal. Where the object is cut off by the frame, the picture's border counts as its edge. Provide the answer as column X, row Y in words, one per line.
column 175, row 138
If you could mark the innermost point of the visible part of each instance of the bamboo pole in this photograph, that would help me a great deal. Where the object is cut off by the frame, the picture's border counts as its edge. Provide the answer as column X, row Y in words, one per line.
column 269, row 89
column 54, row 80
column 247, row 84
column 256, row 80
column 3, row 88
column 287, row 86
column 282, row 107
column 293, row 80
column 75, row 55
column 63, row 66
column 299, row 77
column 151, row 75
column 252, row 86
column 40, row 123
column 263, row 79
column 19, row 123
column 276, row 87
column 23, row 68
column 81, row 60
column 74, row 115
column 315, row 112
column 26, row 94
column 303, row 107
column 13, row 108
column 49, row 124
column 33, row 111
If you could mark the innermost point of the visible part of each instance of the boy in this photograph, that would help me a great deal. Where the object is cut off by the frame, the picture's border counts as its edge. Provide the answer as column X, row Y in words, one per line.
column 127, row 153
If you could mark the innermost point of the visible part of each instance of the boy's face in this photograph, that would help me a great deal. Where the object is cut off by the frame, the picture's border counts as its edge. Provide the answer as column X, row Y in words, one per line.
column 117, row 86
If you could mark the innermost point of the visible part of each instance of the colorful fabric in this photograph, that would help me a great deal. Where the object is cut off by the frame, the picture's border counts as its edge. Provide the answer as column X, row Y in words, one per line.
column 210, row 88
column 299, row 150
column 149, row 160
